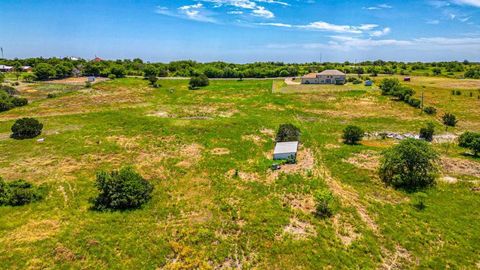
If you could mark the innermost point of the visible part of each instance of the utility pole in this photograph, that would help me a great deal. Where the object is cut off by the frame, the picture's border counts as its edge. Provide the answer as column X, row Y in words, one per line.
column 423, row 97
column 1, row 49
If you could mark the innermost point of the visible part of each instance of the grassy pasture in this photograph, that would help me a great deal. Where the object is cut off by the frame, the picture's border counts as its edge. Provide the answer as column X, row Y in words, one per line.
column 189, row 143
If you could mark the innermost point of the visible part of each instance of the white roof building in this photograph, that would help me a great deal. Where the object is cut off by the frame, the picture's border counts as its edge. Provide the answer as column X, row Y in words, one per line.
column 285, row 150
column 5, row 68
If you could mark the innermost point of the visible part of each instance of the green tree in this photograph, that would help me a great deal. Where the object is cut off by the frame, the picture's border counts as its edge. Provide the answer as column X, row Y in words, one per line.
column 388, row 86
column 352, row 135
column 288, row 133
column 44, row 71
column 26, row 128
column 409, row 165
column 150, row 71
column 121, row 190
column 198, row 81
column 470, row 140
column 427, row 132
column 449, row 120
column 118, row 71
column 19, row 192
column 324, row 200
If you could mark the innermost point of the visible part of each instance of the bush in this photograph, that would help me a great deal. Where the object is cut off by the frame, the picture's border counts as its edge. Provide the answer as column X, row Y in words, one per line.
column 198, row 81
column 26, row 128
column 51, row 95
column 324, row 203
column 471, row 141
column 409, row 165
column 427, row 132
column 44, row 71
column 19, row 192
column 415, row 102
column 121, row 190
column 88, row 84
column 288, row 133
column 19, row 102
column 112, row 76
column 352, row 135
column 6, row 105
column 118, row 71
column 389, row 85
column 449, row 120
column 430, row 110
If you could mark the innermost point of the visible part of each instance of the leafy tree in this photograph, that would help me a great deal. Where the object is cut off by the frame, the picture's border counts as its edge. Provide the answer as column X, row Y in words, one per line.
column 150, row 71
column 388, row 86
column 352, row 135
column 118, row 71
column 2, row 77
column 436, row 71
column 449, row 120
column 44, row 71
column 198, row 81
column 470, row 140
column 121, row 190
column 29, row 77
column 427, row 132
column 324, row 203
column 409, row 165
column 288, row 133
column 26, row 128
column 63, row 70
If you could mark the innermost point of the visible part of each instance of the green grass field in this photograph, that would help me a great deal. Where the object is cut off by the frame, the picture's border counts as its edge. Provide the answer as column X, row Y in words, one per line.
column 189, row 143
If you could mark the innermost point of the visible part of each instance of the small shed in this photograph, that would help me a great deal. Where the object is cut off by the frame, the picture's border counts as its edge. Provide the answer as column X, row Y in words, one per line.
column 407, row 79
column 285, row 150
column 368, row 83
column 91, row 79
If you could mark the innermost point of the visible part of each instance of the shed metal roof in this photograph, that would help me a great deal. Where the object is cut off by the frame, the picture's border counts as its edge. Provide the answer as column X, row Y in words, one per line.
column 285, row 147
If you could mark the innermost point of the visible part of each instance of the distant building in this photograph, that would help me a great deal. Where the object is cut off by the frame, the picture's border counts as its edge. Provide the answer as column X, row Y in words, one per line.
column 285, row 150
column 91, row 79
column 407, row 79
column 4, row 68
column 26, row 68
column 325, row 77
column 97, row 59
column 368, row 83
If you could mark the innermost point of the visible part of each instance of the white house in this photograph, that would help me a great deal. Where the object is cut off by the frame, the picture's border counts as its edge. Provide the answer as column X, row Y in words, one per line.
column 330, row 76
column 285, row 150
column 4, row 68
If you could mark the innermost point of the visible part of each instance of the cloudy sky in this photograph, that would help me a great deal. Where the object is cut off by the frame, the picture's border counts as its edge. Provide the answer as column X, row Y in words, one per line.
column 243, row 30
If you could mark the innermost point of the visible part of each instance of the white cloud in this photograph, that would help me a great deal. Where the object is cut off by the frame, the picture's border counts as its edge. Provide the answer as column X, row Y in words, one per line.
column 262, row 12
column 433, row 22
column 277, row 25
column 475, row 3
column 377, row 7
column 191, row 12
column 379, row 33
column 324, row 26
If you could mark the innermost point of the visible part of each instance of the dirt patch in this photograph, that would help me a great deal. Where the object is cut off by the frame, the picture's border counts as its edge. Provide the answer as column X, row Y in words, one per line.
column 301, row 202
column 398, row 259
column 449, row 179
column 62, row 253
column 191, row 155
column 254, row 138
column 299, row 230
column 368, row 160
column 161, row 114
column 245, row 176
column 268, row 132
column 77, row 80
column 344, row 229
column 332, row 146
column 34, row 231
column 460, row 166
column 128, row 143
column 305, row 164
column 220, row 151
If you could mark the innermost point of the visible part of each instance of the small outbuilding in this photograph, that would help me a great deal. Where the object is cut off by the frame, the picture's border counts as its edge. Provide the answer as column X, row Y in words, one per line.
column 285, row 150
column 368, row 83
column 407, row 79
column 91, row 79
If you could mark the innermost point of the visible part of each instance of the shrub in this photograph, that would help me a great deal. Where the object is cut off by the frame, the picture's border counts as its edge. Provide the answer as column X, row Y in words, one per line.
column 88, row 84
column 118, row 71
column 153, row 81
column 352, row 135
column 2, row 77
column 112, row 76
column 19, row 192
column 409, row 165
column 121, row 190
column 44, row 71
column 19, row 102
column 288, row 133
column 26, row 128
column 6, row 105
column 430, row 110
column 449, row 120
column 198, row 81
column 389, row 85
column 415, row 102
column 51, row 95
column 324, row 203
column 427, row 132
column 471, row 141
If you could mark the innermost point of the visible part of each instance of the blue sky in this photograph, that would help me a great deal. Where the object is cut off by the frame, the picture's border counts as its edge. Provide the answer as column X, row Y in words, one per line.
column 243, row 30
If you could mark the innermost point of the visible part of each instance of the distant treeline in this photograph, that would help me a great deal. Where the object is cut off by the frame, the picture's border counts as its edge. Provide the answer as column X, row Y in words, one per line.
column 51, row 68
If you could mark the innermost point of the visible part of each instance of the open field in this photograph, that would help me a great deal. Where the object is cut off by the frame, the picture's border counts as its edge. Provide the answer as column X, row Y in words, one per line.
column 189, row 144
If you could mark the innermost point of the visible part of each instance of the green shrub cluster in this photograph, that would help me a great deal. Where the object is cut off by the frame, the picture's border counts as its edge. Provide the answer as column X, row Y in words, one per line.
column 19, row 192
column 198, row 81
column 121, row 190
column 288, row 133
column 427, row 132
column 324, row 201
column 430, row 110
column 352, row 135
column 26, row 128
column 7, row 99
column 392, row 87
column 470, row 140
column 473, row 73
column 449, row 120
